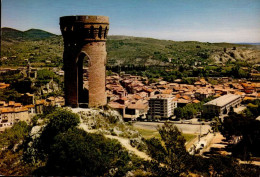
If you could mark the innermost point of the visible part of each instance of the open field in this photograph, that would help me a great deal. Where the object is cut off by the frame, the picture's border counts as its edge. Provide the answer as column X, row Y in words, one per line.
column 184, row 128
column 152, row 133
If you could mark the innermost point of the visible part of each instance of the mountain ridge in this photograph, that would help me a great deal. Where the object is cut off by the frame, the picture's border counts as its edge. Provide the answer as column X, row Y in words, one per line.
column 127, row 50
column 31, row 34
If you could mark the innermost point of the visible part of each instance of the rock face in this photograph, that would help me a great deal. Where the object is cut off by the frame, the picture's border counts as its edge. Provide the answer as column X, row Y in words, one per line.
column 108, row 122
column 84, row 37
column 235, row 54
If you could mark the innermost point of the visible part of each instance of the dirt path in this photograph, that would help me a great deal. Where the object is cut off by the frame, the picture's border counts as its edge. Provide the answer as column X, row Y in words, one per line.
column 208, row 141
column 124, row 142
column 217, row 142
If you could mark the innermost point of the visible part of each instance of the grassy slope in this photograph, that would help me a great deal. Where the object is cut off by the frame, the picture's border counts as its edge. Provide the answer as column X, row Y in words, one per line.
column 40, row 46
column 37, row 51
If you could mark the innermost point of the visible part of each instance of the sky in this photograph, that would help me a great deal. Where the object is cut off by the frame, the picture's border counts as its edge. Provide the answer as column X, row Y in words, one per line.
column 179, row 20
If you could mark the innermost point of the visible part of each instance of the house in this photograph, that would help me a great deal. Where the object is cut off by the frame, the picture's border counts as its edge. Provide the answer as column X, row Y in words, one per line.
column 136, row 110
column 4, row 85
column 27, row 99
column 39, row 106
column 11, row 115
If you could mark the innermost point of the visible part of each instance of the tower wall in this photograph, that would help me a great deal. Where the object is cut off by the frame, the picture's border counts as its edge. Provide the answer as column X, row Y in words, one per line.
column 84, row 35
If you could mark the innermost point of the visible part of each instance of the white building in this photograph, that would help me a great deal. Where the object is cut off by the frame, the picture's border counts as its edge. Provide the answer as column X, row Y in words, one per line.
column 9, row 116
column 222, row 105
column 161, row 106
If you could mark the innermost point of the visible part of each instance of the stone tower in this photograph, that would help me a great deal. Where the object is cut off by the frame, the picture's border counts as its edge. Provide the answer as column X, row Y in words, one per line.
column 84, row 40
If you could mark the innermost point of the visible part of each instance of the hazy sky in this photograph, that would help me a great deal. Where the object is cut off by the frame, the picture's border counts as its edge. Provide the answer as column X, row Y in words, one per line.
column 201, row 20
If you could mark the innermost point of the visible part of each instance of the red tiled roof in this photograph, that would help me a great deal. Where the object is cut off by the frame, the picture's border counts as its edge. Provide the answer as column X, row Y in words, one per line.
column 29, row 106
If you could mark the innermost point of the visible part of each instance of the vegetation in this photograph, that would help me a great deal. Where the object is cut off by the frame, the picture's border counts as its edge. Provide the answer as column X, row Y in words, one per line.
column 76, row 152
column 10, row 77
column 148, row 133
column 35, row 45
column 64, row 149
column 39, row 46
column 148, row 57
column 242, row 131
column 11, row 150
column 32, row 34
column 126, row 50
column 10, row 137
column 17, row 82
column 190, row 110
column 218, row 165
column 61, row 148
column 9, row 95
column 44, row 76
column 170, row 158
column 246, row 130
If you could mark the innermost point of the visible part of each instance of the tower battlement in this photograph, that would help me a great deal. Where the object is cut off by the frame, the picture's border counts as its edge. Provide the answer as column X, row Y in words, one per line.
column 90, row 28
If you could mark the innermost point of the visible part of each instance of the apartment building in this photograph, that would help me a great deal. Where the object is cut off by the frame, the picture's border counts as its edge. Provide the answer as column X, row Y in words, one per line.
column 161, row 106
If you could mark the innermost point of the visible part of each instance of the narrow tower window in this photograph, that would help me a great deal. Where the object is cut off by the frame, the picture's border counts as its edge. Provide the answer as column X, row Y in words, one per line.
column 100, row 32
column 92, row 31
column 105, row 33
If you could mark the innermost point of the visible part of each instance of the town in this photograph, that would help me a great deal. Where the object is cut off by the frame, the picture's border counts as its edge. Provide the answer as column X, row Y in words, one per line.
column 137, row 100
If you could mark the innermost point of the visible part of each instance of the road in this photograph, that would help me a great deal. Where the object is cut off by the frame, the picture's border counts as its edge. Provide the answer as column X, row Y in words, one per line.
column 184, row 128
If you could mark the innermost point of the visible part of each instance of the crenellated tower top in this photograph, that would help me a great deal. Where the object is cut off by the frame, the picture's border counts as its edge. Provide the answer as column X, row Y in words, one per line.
column 84, row 27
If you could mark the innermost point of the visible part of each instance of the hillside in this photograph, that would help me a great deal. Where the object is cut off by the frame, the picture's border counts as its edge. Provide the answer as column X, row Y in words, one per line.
column 131, row 50
column 39, row 46
column 9, row 34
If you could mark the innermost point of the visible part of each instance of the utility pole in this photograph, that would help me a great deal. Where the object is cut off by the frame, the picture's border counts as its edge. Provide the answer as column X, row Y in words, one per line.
column 200, row 133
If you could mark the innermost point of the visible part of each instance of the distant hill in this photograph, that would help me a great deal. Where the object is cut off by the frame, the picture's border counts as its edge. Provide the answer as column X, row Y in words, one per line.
column 9, row 34
column 246, row 43
column 31, row 34
column 138, row 50
column 37, row 34
column 39, row 46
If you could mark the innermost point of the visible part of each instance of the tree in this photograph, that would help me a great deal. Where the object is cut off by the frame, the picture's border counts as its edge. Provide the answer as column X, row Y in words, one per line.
column 22, row 85
column 10, row 137
column 178, row 112
column 216, row 124
column 60, row 121
column 170, row 157
column 9, row 94
column 248, row 129
column 76, row 152
column 44, row 76
column 11, row 151
column 218, row 165
column 67, row 150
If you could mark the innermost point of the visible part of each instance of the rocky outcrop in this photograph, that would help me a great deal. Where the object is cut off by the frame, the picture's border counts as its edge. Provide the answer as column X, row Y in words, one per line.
column 236, row 54
column 107, row 122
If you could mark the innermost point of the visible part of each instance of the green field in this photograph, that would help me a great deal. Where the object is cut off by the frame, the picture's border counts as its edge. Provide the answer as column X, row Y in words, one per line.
column 154, row 133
